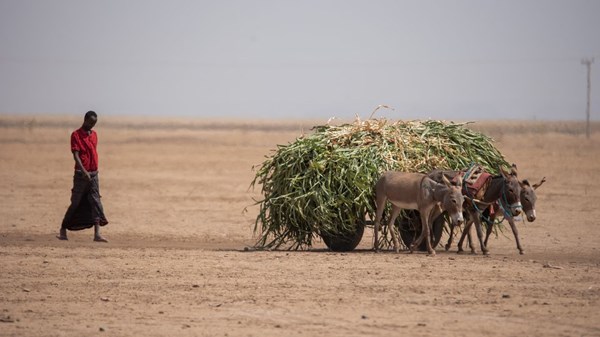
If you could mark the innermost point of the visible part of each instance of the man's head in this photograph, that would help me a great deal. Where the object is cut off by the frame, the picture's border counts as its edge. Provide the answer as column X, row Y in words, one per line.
column 89, row 120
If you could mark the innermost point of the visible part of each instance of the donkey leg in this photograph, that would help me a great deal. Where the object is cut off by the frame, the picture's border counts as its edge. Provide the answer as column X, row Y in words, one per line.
column 392, row 229
column 490, row 226
column 425, row 217
column 488, row 232
column 484, row 249
column 450, row 238
column 465, row 232
column 435, row 213
column 471, row 246
column 417, row 242
column 378, row 215
column 469, row 236
column 515, row 231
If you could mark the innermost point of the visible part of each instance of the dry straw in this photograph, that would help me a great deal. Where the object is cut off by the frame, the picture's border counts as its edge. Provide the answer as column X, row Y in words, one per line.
column 323, row 182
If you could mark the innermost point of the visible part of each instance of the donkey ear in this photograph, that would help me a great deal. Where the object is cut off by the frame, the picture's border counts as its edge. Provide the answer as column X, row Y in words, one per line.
column 513, row 170
column 524, row 183
column 503, row 172
column 535, row 186
column 446, row 181
column 458, row 181
column 451, row 179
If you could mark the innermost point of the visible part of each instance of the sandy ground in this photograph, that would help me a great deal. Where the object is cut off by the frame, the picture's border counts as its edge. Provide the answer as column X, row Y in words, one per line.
column 175, row 192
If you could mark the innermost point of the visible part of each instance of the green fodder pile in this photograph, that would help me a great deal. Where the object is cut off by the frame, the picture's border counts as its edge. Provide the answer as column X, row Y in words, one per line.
column 324, row 182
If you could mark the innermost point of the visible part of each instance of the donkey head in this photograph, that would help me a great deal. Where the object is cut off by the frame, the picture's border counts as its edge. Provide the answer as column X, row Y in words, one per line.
column 512, row 190
column 453, row 200
column 528, row 198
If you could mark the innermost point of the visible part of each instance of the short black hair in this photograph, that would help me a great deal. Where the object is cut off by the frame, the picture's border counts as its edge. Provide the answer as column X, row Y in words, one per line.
column 90, row 114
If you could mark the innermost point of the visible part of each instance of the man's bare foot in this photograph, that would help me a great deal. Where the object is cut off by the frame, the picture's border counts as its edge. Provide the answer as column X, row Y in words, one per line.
column 99, row 238
column 62, row 235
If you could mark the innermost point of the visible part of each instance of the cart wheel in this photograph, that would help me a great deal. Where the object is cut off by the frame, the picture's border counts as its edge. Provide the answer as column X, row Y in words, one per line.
column 410, row 229
column 344, row 243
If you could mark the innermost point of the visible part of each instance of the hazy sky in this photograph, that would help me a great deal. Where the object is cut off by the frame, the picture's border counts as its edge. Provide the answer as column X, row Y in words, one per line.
column 440, row 59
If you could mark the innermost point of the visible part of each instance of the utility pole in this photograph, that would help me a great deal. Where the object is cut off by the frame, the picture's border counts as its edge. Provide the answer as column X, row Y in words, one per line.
column 588, row 64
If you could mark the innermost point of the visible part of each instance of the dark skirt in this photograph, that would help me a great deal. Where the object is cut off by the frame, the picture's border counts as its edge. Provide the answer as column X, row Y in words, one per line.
column 86, row 207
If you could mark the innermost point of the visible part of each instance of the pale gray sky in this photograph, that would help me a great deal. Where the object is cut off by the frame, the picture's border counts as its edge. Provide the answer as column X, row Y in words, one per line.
column 445, row 59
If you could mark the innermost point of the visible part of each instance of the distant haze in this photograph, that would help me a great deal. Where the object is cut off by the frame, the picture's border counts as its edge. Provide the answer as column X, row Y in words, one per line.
column 300, row 59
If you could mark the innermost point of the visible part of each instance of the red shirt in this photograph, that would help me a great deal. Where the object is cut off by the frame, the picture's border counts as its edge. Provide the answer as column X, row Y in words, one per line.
column 85, row 143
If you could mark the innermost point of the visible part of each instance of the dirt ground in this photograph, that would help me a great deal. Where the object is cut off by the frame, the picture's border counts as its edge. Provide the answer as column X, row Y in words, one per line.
column 175, row 193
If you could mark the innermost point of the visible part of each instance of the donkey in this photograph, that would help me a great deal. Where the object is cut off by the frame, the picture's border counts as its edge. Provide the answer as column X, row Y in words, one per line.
column 528, row 199
column 419, row 192
column 505, row 186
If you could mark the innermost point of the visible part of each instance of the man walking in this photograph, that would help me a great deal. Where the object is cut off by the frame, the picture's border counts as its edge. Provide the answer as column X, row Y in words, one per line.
column 86, row 209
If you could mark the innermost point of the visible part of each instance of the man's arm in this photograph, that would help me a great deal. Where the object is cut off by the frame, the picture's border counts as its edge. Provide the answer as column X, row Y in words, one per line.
column 80, row 165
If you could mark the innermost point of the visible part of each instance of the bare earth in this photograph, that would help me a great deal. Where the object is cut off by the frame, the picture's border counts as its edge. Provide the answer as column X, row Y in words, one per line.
column 175, row 191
